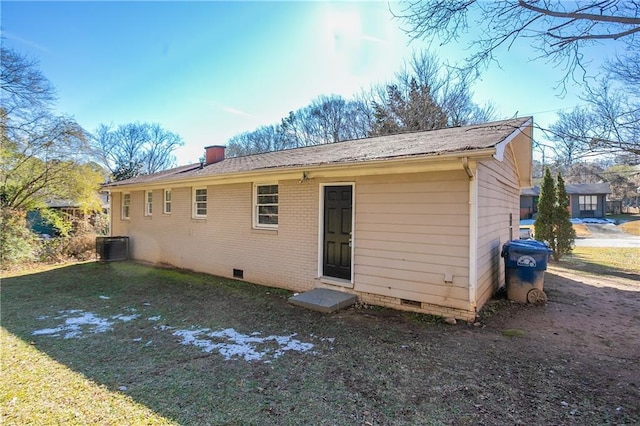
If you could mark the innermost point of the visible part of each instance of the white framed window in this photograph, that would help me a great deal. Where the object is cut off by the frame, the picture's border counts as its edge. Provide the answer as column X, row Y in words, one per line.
column 588, row 203
column 265, row 205
column 126, row 205
column 167, row 201
column 199, row 202
column 148, row 203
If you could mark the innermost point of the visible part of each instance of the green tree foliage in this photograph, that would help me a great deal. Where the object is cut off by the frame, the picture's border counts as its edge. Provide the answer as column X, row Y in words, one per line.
column 413, row 110
column 43, row 156
column 544, row 225
column 565, row 235
column 553, row 225
column 17, row 243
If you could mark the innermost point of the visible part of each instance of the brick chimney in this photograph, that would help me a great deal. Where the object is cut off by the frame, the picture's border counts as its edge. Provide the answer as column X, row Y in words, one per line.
column 214, row 153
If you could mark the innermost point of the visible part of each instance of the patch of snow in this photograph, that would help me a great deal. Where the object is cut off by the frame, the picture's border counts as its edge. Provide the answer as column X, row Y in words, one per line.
column 597, row 221
column 75, row 322
column 126, row 318
column 104, row 297
column 65, row 314
column 231, row 344
column 48, row 331
column 576, row 221
column 94, row 324
column 42, row 317
column 227, row 342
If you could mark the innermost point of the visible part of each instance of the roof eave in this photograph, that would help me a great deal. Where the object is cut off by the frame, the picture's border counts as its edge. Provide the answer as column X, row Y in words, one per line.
column 523, row 155
column 408, row 164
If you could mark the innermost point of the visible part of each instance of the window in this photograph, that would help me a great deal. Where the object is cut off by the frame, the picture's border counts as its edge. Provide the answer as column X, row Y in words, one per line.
column 200, row 202
column 148, row 203
column 167, row 201
column 588, row 203
column 126, row 206
column 266, row 206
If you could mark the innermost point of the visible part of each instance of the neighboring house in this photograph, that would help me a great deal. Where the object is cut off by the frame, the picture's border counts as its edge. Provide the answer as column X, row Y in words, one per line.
column 69, row 208
column 414, row 221
column 585, row 200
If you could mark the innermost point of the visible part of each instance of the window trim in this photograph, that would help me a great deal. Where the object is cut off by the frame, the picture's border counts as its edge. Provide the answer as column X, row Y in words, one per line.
column 256, row 205
column 166, row 202
column 593, row 202
column 148, row 203
column 127, row 206
column 194, row 202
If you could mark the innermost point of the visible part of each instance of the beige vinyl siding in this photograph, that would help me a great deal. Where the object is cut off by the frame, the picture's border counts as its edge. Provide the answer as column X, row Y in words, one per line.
column 411, row 231
column 498, row 195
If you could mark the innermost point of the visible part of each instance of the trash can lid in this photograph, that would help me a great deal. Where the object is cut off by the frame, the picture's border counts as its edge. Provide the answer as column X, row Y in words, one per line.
column 526, row 245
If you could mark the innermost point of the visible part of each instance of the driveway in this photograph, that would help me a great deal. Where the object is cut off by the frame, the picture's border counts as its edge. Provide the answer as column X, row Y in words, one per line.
column 607, row 235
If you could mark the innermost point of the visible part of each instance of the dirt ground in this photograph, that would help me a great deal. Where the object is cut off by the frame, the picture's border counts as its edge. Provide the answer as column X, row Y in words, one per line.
column 596, row 314
column 574, row 360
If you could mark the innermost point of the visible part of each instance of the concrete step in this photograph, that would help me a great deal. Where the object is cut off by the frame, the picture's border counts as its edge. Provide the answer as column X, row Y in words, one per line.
column 323, row 300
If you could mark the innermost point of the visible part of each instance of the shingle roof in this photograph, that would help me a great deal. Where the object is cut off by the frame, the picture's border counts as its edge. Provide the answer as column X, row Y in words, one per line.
column 405, row 145
column 573, row 189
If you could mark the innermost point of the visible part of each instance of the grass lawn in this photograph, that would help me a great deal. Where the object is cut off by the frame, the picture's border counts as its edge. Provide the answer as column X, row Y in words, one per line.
column 605, row 260
column 125, row 343
column 631, row 227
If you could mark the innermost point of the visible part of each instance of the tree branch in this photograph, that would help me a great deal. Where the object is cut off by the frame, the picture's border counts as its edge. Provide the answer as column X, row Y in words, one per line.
column 581, row 16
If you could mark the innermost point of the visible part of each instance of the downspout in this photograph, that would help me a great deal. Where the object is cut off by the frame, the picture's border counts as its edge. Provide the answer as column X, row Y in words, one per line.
column 465, row 164
column 473, row 231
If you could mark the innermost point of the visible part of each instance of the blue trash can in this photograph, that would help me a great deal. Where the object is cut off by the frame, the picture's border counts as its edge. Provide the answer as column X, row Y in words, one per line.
column 525, row 262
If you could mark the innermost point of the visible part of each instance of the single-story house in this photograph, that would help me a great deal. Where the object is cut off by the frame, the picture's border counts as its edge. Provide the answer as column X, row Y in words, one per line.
column 413, row 221
column 585, row 200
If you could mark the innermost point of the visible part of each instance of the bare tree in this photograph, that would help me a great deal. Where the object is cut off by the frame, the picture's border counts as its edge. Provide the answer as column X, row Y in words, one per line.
column 326, row 119
column 263, row 139
column 426, row 95
column 571, row 134
column 557, row 29
column 135, row 148
column 609, row 122
column 450, row 88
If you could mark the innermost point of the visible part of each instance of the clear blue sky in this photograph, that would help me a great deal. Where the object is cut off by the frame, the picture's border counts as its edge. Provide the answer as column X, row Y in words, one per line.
column 210, row 70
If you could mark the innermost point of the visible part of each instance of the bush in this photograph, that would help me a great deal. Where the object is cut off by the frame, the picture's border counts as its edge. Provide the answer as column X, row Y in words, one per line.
column 17, row 243
column 79, row 245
